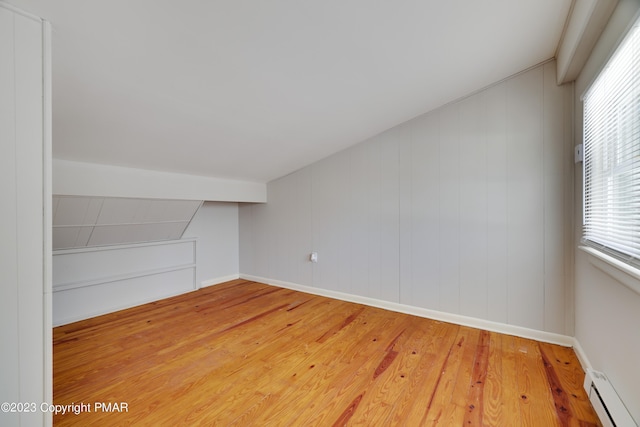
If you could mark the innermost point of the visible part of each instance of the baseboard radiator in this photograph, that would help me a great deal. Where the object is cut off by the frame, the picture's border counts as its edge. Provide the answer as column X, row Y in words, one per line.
column 605, row 401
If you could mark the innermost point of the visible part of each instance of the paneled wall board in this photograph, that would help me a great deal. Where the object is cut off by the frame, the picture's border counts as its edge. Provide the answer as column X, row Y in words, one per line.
column 355, row 231
column 473, row 207
column 9, row 308
column 494, row 117
column 331, row 215
column 82, row 265
column 246, row 235
column 281, row 262
column 261, row 239
column 25, row 359
column 29, row 197
column 421, row 214
column 449, row 238
column 460, row 210
column 71, row 305
column 359, row 227
column 389, row 217
column 525, row 200
column 215, row 226
column 292, row 231
column 569, row 210
column 557, row 150
column 92, row 281
column 405, row 241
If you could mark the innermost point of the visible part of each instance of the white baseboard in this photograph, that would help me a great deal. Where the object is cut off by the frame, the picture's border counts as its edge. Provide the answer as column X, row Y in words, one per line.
column 458, row 319
column 582, row 356
column 219, row 280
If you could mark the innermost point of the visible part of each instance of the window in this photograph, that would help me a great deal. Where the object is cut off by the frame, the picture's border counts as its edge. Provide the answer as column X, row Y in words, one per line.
column 612, row 154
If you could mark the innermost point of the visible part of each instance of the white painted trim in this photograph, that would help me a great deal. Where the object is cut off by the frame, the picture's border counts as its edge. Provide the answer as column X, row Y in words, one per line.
column 485, row 88
column 47, row 173
column 618, row 270
column 126, row 246
column 61, row 287
column 584, row 25
column 24, row 13
column 488, row 325
column 218, row 280
column 88, row 179
column 113, row 309
column 115, row 224
column 582, row 356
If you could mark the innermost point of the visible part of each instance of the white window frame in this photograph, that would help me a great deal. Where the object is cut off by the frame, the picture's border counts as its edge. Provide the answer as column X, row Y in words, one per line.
column 618, row 245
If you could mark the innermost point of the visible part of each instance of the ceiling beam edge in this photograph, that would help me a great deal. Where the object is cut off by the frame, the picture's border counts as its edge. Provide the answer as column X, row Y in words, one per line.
column 71, row 178
column 585, row 24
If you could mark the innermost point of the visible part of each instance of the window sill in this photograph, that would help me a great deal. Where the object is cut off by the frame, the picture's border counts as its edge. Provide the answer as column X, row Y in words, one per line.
column 622, row 272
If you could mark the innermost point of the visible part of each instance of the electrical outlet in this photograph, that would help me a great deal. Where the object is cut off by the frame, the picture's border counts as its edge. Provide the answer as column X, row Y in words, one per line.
column 313, row 257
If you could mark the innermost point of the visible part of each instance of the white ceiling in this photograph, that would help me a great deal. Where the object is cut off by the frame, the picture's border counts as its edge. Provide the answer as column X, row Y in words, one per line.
column 255, row 89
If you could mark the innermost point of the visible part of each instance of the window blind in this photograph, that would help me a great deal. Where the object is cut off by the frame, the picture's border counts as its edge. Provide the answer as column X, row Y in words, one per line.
column 611, row 214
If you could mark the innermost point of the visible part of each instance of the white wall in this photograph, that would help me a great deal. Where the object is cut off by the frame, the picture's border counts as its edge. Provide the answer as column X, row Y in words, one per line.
column 215, row 225
column 607, row 312
column 88, row 282
column 91, row 281
column 462, row 210
column 25, row 227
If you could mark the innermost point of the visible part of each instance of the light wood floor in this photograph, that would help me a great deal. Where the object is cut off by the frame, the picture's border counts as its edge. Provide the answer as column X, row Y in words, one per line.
column 244, row 353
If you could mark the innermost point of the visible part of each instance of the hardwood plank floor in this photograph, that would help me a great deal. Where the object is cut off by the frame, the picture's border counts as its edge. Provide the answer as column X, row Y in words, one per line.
column 244, row 353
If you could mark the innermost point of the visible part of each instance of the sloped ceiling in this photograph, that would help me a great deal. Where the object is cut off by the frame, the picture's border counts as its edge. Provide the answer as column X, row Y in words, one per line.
column 80, row 222
column 254, row 90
